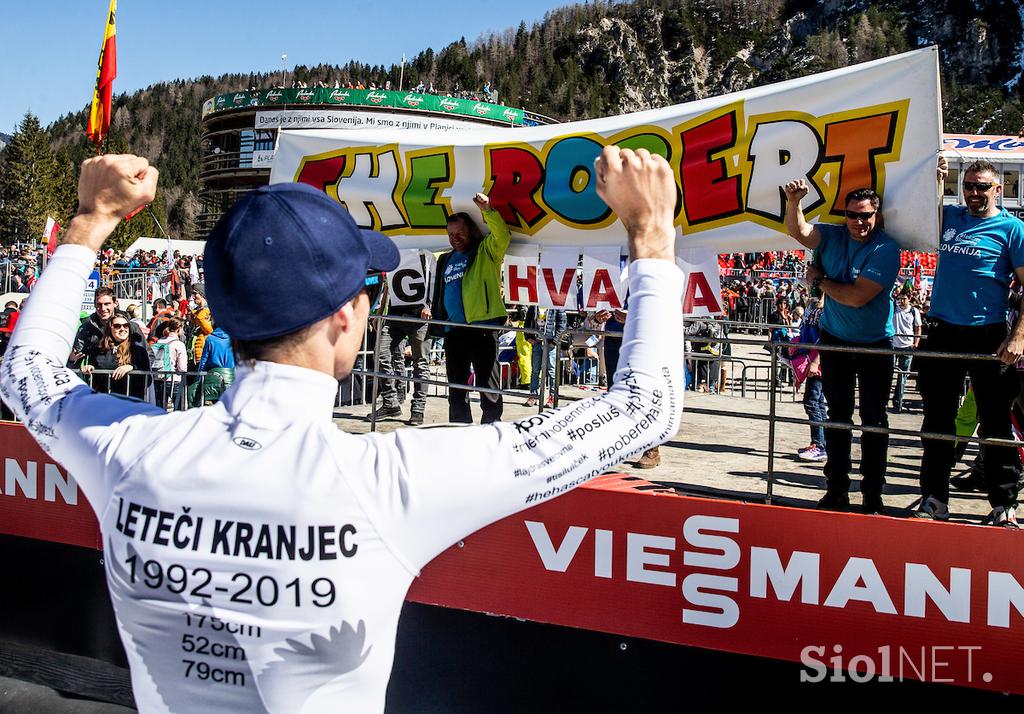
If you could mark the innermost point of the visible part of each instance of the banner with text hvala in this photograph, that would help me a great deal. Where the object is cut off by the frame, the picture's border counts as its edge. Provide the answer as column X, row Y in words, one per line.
column 873, row 125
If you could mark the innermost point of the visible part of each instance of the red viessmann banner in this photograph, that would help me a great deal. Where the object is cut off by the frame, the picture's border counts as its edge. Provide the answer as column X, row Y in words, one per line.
column 38, row 498
column 847, row 595
column 867, row 594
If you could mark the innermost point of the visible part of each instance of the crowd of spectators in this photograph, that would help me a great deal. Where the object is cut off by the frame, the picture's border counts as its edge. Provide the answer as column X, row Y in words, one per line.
column 777, row 263
column 483, row 94
column 790, row 263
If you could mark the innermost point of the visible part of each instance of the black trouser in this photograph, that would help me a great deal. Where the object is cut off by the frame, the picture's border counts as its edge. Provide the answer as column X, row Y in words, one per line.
column 392, row 361
column 612, row 345
column 941, row 383
column 463, row 348
column 841, row 373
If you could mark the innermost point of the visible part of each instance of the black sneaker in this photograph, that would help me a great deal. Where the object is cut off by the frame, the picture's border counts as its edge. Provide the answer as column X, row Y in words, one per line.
column 415, row 418
column 968, row 482
column 383, row 411
column 872, row 504
column 834, row 502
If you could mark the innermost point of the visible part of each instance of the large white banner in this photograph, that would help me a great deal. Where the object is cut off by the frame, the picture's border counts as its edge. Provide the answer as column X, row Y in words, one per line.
column 874, row 125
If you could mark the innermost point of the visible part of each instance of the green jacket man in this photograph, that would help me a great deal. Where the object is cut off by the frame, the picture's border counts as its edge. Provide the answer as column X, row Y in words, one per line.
column 467, row 291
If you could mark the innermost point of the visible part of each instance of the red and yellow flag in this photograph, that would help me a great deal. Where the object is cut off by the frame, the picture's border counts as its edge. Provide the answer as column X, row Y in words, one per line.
column 99, row 115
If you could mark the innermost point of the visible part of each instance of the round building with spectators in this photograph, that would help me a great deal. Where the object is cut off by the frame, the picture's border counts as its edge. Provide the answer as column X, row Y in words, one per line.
column 240, row 129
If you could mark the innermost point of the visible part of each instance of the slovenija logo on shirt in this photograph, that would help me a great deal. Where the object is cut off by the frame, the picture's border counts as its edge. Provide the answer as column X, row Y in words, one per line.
column 453, row 272
column 960, row 243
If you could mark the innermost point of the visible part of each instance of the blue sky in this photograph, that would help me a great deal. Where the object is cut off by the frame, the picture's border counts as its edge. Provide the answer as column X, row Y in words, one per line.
column 49, row 49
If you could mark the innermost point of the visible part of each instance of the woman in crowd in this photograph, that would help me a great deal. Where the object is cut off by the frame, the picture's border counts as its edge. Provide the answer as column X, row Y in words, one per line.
column 117, row 355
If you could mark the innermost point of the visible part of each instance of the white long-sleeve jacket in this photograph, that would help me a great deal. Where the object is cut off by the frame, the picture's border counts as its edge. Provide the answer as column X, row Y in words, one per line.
column 257, row 556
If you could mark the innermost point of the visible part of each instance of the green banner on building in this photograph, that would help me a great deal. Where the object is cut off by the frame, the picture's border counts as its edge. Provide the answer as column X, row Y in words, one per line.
column 364, row 98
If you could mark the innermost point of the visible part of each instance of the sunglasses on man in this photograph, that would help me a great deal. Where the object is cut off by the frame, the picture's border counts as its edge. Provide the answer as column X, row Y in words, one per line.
column 978, row 185
column 859, row 215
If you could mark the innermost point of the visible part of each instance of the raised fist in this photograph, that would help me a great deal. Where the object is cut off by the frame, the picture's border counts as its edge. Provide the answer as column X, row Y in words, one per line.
column 112, row 186
column 796, row 190
column 640, row 189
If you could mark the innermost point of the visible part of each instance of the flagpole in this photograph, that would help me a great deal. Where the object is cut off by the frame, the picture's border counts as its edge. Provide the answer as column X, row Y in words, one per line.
column 157, row 222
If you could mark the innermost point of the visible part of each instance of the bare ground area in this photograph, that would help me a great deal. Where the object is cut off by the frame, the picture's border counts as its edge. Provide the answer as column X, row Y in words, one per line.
column 721, row 451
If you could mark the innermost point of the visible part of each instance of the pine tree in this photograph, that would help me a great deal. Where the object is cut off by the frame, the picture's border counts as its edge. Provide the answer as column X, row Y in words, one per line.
column 65, row 191
column 27, row 183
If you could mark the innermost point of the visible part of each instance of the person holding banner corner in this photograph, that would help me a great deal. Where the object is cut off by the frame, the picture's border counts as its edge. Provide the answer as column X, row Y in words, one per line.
column 855, row 266
column 256, row 523
column 981, row 249
column 467, row 289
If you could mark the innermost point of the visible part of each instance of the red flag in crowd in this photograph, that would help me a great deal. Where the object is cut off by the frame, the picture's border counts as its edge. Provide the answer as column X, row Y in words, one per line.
column 99, row 115
column 50, row 236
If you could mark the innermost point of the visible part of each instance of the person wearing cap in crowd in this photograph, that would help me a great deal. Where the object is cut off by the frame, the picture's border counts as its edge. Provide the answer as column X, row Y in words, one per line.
column 8, row 320
column 854, row 267
column 467, row 290
column 258, row 512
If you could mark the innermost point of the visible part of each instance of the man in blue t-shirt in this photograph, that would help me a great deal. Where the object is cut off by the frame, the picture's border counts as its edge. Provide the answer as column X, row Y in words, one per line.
column 854, row 266
column 981, row 248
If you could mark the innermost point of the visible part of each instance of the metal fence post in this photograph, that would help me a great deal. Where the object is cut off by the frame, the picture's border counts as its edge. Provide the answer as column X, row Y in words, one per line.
column 771, row 421
column 376, row 369
column 542, row 378
column 558, row 372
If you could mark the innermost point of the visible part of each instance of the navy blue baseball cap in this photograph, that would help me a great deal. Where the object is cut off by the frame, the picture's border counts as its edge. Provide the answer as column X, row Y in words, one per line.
column 286, row 256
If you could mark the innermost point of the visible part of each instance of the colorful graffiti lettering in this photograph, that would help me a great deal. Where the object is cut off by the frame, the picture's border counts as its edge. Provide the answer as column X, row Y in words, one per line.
column 729, row 169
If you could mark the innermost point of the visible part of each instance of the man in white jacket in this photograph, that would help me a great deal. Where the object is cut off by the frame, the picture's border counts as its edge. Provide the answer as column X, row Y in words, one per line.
column 257, row 556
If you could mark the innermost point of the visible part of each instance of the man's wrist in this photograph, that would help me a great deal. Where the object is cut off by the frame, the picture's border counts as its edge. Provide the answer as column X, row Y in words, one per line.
column 650, row 243
column 90, row 230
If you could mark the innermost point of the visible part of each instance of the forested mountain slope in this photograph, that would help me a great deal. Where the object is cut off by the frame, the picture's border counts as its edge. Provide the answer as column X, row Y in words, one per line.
column 593, row 60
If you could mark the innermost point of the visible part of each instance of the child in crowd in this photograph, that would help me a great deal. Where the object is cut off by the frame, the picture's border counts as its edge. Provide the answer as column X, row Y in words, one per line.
column 807, row 367
column 169, row 356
